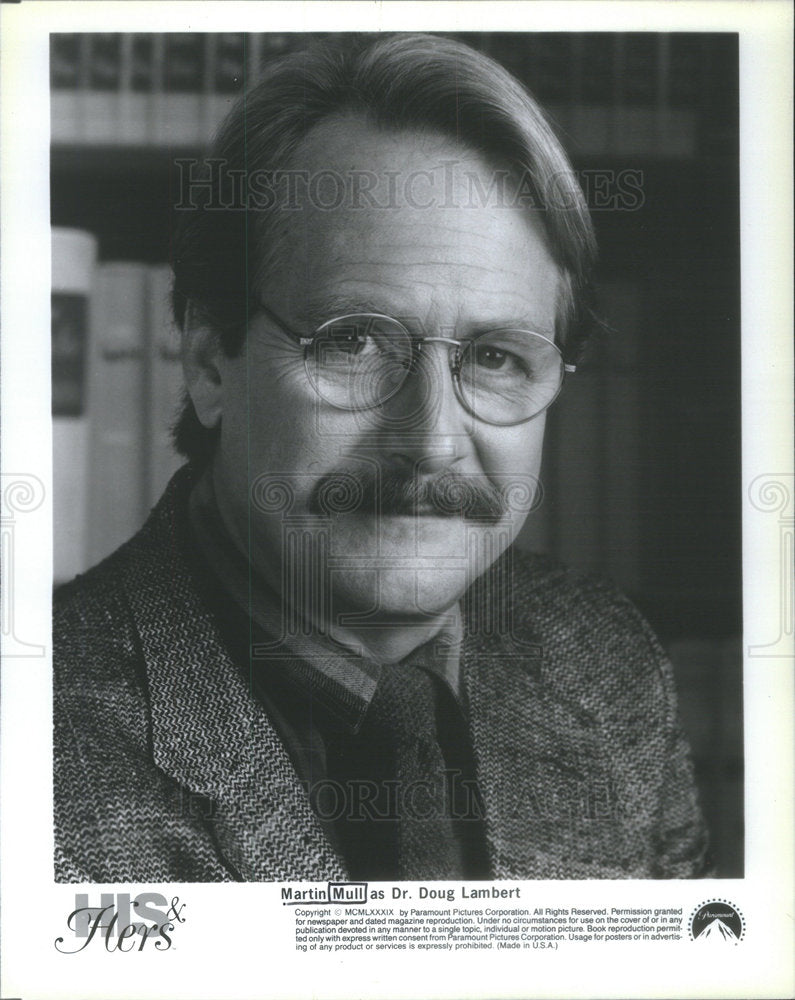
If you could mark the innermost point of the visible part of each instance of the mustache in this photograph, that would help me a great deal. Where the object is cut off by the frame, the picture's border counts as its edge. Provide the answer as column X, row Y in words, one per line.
column 450, row 494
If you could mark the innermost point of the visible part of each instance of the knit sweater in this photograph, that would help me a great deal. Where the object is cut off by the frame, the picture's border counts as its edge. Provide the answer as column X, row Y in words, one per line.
column 167, row 767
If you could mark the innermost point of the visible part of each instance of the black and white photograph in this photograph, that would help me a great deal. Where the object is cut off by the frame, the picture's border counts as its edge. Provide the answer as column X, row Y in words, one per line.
column 398, row 396
column 399, row 606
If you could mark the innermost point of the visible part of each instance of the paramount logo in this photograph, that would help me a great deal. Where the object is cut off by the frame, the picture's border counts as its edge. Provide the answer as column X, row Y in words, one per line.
column 350, row 893
column 717, row 920
column 717, row 930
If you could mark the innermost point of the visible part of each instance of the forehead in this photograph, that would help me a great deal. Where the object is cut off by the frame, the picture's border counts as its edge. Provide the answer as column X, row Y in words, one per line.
column 409, row 220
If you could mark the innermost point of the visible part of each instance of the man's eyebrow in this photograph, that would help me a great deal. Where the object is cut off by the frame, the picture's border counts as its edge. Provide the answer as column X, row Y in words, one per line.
column 318, row 309
column 510, row 323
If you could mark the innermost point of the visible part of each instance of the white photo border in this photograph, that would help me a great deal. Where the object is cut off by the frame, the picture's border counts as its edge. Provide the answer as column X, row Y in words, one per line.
column 236, row 942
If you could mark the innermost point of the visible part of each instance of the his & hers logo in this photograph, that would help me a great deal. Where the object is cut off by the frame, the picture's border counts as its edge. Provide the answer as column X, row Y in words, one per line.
column 123, row 924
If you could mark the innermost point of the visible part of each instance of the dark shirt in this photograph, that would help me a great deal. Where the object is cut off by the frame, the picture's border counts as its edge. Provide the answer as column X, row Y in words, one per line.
column 318, row 692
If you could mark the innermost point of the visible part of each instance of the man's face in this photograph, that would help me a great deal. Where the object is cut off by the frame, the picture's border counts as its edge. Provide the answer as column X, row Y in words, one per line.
column 449, row 269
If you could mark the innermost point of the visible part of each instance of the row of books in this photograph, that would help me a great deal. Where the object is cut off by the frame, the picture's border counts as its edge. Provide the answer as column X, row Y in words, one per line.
column 116, row 380
column 637, row 69
column 170, row 89
column 639, row 93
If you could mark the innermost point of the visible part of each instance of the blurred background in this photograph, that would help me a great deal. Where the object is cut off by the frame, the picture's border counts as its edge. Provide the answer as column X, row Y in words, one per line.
column 642, row 466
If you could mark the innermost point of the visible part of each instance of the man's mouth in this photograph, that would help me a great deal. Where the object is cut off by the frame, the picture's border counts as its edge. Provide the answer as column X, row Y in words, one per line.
column 450, row 495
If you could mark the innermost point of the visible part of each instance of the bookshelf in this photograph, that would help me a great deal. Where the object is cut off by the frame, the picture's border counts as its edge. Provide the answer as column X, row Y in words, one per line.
column 638, row 94
column 642, row 464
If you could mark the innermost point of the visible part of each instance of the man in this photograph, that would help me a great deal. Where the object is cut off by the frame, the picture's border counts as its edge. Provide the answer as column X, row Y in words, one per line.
column 321, row 657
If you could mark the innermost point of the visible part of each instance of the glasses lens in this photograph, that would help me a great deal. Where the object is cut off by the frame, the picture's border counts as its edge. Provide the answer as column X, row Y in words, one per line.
column 507, row 376
column 356, row 362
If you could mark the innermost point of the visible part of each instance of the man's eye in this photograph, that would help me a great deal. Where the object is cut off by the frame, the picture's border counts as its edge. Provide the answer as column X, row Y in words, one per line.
column 347, row 341
column 494, row 359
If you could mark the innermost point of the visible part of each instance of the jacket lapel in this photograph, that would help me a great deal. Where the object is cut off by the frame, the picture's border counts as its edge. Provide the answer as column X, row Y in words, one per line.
column 208, row 731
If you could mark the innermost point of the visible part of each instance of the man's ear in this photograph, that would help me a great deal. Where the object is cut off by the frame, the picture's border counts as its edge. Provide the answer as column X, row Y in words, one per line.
column 201, row 354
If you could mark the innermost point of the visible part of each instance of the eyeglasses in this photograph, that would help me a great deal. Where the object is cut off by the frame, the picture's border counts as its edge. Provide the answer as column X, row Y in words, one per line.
column 359, row 361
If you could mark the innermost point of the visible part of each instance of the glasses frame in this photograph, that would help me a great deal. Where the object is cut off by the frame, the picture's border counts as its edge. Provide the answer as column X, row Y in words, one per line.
column 455, row 359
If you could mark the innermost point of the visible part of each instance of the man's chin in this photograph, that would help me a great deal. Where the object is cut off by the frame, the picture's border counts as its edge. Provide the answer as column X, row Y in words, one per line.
column 407, row 568
column 393, row 595
column 413, row 566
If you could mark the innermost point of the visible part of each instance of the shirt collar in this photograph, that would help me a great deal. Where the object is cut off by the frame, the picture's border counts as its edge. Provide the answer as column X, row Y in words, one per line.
column 343, row 680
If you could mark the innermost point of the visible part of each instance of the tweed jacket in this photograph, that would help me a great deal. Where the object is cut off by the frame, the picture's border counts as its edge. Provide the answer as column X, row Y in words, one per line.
column 168, row 769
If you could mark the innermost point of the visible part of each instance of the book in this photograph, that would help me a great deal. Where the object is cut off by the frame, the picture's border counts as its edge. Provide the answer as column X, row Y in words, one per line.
column 101, row 97
column 158, row 111
column 74, row 255
column 640, row 55
column 65, row 82
column 226, row 64
column 178, row 105
column 548, row 68
column 117, row 409
column 634, row 118
column 253, row 63
column 136, row 86
column 594, row 93
column 165, row 383
column 688, row 55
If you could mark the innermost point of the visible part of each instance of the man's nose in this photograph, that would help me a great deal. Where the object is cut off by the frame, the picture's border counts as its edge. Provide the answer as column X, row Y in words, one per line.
column 424, row 425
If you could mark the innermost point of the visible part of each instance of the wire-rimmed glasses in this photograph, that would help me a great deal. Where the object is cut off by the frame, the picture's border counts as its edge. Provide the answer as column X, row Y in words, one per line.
column 358, row 361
